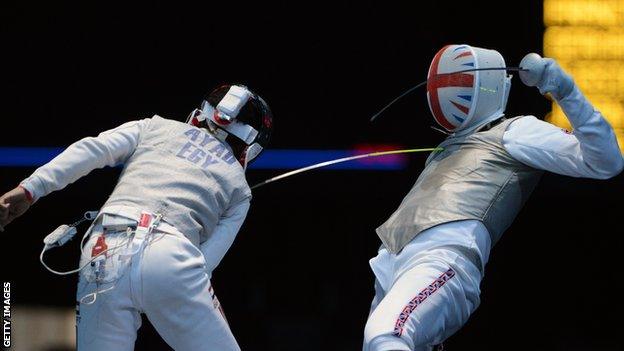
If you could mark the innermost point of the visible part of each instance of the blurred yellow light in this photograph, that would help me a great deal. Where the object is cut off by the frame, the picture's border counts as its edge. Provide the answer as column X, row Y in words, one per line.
column 597, row 78
column 583, row 12
column 576, row 43
column 586, row 37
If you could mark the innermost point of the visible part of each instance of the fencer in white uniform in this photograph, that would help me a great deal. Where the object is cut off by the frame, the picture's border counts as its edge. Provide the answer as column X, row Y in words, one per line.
column 437, row 243
column 180, row 200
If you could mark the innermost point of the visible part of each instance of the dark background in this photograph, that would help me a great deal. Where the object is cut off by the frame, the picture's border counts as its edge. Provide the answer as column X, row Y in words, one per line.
column 297, row 277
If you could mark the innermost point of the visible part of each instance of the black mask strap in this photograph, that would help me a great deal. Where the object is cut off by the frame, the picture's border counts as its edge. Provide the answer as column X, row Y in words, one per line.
column 408, row 91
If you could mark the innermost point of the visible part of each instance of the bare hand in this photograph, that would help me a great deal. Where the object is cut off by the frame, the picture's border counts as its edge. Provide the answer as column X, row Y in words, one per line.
column 12, row 205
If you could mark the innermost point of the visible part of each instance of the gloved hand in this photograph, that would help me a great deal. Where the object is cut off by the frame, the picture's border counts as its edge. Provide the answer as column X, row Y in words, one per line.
column 555, row 80
column 13, row 204
column 547, row 75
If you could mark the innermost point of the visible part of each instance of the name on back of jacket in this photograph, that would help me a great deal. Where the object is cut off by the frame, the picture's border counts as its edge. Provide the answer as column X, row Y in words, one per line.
column 204, row 149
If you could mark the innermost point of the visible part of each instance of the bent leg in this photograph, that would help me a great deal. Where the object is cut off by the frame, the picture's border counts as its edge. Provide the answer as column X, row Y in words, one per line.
column 429, row 302
column 178, row 298
column 109, row 323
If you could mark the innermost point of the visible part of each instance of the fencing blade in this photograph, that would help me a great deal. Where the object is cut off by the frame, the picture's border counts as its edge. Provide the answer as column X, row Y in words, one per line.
column 340, row 160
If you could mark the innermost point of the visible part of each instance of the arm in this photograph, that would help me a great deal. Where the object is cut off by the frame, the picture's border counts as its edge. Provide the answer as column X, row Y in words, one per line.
column 591, row 151
column 107, row 149
column 110, row 148
column 223, row 236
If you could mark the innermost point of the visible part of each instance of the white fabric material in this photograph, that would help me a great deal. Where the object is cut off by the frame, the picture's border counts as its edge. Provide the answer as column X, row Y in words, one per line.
column 217, row 245
column 185, row 174
column 591, row 151
column 555, row 80
column 110, row 148
column 401, row 278
column 122, row 213
column 168, row 282
column 215, row 248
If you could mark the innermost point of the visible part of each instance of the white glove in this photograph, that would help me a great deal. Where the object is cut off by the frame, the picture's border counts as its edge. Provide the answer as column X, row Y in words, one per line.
column 546, row 74
column 555, row 80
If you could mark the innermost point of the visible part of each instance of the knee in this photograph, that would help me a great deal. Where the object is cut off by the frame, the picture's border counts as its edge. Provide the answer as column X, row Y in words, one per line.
column 374, row 340
column 386, row 343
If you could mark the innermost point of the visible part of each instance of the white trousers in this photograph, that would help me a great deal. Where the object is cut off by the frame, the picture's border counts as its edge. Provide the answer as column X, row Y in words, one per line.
column 167, row 281
column 423, row 295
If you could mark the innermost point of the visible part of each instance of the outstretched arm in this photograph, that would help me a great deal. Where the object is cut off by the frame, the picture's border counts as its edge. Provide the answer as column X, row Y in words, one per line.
column 110, row 148
column 590, row 151
column 215, row 248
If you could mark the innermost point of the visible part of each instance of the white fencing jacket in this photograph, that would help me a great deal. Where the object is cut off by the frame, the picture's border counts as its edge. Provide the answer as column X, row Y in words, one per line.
column 205, row 189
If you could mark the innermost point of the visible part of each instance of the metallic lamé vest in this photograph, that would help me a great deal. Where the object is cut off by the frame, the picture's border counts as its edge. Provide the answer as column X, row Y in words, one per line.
column 474, row 177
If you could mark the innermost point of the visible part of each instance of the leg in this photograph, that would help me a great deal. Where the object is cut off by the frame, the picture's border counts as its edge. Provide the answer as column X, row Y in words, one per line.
column 381, row 266
column 426, row 304
column 111, row 322
column 178, row 299
column 379, row 295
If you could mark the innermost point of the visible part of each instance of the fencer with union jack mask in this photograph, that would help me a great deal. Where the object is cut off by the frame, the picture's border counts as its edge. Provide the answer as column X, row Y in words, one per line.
column 180, row 200
column 437, row 243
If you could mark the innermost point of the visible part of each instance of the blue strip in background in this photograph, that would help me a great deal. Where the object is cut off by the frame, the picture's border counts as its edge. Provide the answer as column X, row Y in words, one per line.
column 27, row 156
column 269, row 159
